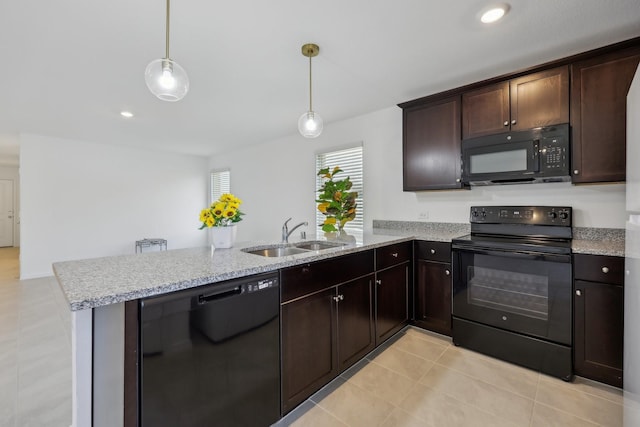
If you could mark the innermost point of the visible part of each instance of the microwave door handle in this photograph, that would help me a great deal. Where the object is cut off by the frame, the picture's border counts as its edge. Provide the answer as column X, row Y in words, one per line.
column 536, row 155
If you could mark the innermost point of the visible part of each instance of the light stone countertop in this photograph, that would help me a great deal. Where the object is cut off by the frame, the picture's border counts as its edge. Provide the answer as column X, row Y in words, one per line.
column 598, row 241
column 97, row 282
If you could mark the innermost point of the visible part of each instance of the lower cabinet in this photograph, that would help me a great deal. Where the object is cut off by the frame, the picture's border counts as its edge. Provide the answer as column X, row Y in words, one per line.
column 327, row 322
column 393, row 279
column 392, row 287
column 599, row 318
column 432, row 286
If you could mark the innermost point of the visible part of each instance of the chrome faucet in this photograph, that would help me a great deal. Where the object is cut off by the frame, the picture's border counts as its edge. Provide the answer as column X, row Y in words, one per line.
column 285, row 230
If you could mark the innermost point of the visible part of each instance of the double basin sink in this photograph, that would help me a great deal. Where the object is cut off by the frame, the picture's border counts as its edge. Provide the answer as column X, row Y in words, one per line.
column 293, row 249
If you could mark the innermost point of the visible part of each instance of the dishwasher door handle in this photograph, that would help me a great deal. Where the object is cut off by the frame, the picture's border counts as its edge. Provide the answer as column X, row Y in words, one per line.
column 205, row 298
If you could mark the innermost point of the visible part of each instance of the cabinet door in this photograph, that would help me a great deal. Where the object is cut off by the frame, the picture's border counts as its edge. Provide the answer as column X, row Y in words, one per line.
column 392, row 287
column 308, row 346
column 355, row 321
column 540, row 99
column 598, row 323
column 485, row 111
column 598, row 116
column 433, row 296
column 431, row 146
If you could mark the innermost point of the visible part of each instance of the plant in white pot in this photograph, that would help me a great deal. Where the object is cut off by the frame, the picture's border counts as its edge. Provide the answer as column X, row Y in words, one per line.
column 220, row 218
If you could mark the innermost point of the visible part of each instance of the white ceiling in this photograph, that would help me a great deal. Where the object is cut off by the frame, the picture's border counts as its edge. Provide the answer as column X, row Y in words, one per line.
column 70, row 66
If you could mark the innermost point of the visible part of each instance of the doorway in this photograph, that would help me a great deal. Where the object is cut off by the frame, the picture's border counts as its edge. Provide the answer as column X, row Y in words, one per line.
column 6, row 213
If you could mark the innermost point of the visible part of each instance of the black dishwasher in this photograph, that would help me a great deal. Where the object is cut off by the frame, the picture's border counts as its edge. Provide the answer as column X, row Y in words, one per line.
column 210, row 356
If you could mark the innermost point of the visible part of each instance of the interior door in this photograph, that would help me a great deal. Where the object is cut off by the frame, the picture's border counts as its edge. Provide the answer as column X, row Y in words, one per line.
column 6, row 212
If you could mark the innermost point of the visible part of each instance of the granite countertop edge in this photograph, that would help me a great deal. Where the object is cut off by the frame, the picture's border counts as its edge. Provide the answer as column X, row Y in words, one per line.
column 98, row 282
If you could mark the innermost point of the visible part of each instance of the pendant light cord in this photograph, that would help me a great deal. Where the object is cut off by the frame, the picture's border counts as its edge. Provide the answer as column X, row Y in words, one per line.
column 310, row 92
column 167, row 32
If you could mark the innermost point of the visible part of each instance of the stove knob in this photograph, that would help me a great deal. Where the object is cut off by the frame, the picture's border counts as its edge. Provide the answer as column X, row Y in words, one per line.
column 474, row 214
column 552, row 215
column 484, row 214
column 564, row 215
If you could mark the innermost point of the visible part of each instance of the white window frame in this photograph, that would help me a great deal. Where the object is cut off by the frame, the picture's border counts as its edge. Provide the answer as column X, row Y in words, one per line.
column 219, row 183
column 350, row 159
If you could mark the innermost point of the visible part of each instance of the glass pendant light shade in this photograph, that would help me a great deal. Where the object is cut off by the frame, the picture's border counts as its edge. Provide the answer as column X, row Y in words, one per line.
column 310, row 124
column 166, row 79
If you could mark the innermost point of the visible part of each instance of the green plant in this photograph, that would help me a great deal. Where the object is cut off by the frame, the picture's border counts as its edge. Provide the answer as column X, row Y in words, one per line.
column 335, row 201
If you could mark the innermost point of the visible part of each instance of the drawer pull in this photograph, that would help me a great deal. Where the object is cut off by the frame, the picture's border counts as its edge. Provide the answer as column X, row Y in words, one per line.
column 433, row 251
column 605, row 270
column 378, row 282
column 578, row 292
column 395, row 254
column 447, row 272
column 338, row 298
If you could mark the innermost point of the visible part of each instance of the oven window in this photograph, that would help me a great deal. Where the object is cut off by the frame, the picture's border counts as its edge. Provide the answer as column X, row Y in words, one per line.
column 501, row 161
column 526, row 294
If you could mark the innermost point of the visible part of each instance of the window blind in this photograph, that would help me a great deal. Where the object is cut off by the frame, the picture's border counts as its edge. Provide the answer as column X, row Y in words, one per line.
column 220, row 183
column 350, row 160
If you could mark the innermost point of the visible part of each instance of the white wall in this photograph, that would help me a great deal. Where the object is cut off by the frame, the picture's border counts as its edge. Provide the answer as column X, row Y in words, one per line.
column 85, row 200
column 11, row 172
column 276, row 180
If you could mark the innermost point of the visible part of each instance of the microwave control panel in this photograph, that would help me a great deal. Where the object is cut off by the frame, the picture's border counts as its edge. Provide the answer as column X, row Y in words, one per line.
column 554, row 154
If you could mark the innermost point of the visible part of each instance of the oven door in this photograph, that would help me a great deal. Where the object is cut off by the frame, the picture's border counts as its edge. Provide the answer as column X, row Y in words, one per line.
column 524, row 292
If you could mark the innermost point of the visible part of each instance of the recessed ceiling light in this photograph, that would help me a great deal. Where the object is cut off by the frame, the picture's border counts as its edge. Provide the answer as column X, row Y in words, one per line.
column 126, row 114
column 494, row 13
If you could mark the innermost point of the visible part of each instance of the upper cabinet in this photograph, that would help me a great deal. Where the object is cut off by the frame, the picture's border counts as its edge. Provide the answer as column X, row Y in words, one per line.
column 431, row 145
column 599, row 89
column 533, row 100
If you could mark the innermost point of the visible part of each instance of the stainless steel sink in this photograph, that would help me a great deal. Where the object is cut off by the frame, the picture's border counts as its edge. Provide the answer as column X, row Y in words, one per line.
column 277, row 251
column 318, row 245
column 292, row 249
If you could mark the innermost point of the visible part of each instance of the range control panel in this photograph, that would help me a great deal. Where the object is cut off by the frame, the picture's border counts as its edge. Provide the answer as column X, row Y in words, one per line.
column 534, row 215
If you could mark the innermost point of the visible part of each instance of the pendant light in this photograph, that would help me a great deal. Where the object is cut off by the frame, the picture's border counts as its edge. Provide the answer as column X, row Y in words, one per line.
column 165, row 78
column 310, row 123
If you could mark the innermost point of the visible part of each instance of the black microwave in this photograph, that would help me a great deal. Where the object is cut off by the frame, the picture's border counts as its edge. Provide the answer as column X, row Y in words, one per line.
column 536, row 155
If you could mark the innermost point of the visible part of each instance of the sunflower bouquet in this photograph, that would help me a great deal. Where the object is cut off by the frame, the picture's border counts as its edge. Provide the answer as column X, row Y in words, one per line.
column 223, row 212
column 335, row 201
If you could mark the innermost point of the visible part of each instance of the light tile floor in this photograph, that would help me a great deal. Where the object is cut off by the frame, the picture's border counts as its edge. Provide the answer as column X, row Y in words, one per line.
column 416, row 379
column 35, row 349
column 421, row 379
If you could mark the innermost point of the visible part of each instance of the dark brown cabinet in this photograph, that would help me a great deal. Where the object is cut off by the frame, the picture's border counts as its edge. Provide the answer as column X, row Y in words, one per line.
column 326, row 320
column 393, row 276
column 530, row 101
column 432, row 286
column 431, row 145
column 599, row 89
column 599, row 317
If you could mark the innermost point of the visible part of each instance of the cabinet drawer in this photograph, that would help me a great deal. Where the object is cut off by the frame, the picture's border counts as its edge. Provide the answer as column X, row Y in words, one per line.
column 311, row 277
column 599, row 268
column 392, row 255
column 433, row 251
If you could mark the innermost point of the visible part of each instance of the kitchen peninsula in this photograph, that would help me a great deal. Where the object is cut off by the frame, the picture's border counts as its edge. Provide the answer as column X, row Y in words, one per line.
column 97, row 290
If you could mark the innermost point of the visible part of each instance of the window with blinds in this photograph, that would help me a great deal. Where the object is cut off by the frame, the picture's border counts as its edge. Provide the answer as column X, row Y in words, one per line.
column 220, row 183
column 350, row 161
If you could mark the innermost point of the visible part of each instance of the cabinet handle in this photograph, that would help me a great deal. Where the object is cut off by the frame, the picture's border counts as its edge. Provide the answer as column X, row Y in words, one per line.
column 378, row 282
column 605, row 270
column 305, row 269
column 457, row 179
column 341, row 297
column 433, row 251
column 578, row 292
column 447, row 272
column 395, row 254
column 513, row 122
column 338, row 298
column 506, row 122
column 576, row 172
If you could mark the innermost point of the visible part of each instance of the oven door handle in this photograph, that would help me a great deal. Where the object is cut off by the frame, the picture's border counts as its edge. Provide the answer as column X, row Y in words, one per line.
column 533, row 256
